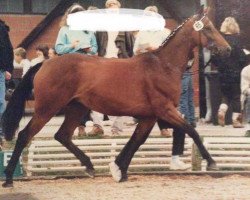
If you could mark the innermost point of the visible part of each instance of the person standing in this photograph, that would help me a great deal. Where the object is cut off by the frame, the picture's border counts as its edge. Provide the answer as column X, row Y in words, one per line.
column 229, row 68
column 112, row 45
column 75, row 41
column 151, row 40
column 6, row 67
column 186, row 106
column 148, row 41
column 245, row 95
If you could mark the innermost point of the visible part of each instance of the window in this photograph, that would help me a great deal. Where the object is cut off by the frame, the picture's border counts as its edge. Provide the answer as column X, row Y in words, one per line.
column 43, row 6
column 11, row 6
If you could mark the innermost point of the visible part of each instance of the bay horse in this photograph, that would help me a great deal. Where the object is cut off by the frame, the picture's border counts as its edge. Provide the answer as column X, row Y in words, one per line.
column 146, row 86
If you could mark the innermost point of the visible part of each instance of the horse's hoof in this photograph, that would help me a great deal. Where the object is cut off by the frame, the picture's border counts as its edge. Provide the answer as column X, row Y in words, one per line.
column 124, row 178
column 115, row 172
column 90, row 173
column 7, row 185
column 212, row 167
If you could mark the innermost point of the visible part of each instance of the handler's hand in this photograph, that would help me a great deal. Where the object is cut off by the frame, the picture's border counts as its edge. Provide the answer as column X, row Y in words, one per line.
column 7, row 75
column 75, row 43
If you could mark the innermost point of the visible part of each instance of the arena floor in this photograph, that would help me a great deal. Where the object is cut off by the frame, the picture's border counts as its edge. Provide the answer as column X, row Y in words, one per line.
column 138, row 187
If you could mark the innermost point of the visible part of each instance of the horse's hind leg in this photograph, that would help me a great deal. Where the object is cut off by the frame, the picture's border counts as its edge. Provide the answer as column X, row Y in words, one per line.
column 73, row 114
column 24, row 137
column 174, row 118
column 120, row 166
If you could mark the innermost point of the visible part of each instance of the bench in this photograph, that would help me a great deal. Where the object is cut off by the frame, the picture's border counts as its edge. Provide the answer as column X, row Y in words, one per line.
column 50, row 156
column 230, row 153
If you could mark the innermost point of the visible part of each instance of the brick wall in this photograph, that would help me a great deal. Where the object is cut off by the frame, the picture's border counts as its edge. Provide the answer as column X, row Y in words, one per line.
column 22, row 25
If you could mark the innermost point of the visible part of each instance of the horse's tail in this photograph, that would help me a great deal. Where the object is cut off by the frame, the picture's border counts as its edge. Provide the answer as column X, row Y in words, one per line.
column 15, row 108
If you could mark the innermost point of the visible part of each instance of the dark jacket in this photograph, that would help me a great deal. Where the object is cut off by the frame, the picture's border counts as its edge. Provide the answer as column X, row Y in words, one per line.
column 124, row 42
column 6, row 49
column 230, row 67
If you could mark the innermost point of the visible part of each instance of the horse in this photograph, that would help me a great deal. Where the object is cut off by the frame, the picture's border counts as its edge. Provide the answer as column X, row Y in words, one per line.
column 146, row 86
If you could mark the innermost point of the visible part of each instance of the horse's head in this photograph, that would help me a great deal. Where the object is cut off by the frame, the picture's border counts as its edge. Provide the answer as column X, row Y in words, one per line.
column 207, row 35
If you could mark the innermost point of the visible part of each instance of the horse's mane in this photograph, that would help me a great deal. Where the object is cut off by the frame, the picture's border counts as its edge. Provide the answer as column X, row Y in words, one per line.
column 174, row 32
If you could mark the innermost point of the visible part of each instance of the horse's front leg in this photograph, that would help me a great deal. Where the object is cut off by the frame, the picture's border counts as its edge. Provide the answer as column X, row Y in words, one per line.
column 24, row 137
column 119, row 167
column 174, row 118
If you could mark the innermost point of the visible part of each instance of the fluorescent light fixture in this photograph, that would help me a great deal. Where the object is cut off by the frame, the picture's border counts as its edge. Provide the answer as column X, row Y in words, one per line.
column 116, row 20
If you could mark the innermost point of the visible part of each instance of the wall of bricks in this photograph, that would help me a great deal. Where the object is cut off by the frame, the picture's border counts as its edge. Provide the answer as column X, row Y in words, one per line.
column 22, row 25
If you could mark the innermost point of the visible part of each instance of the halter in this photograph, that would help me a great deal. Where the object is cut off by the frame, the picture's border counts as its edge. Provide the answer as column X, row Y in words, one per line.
column 172, row 34
column 198, row 26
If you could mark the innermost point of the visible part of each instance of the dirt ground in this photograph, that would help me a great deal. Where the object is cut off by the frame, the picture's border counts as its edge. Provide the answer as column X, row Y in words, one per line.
column 138, row 187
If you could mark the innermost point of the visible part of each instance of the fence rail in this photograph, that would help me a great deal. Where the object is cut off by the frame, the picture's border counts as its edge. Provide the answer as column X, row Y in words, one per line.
column 51, row 156
column 230, row 153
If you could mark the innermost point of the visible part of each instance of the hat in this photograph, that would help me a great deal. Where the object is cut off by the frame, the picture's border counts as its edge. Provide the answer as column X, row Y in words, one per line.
column 112, row 1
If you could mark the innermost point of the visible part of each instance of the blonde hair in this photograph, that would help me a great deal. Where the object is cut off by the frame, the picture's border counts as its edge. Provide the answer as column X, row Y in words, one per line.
column 20, row 52
column 151, row 8
column 230, row 25
column 72, row 9
column 112, row 1
column 92, row 8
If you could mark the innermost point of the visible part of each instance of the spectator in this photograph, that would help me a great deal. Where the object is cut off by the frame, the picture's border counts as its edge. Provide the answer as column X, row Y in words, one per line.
column 6, row 68
column 92, row 8
column 245, row 92
column 186, row 105
column 42, row 52
column 150, row 40
column 229, row 73
column 20, row 58
column 147, row 41
column 75, row 41
column 112, row 45
column 52, row 52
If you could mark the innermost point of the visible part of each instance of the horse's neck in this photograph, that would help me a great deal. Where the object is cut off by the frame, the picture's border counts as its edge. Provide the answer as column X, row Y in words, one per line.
column 174, row 54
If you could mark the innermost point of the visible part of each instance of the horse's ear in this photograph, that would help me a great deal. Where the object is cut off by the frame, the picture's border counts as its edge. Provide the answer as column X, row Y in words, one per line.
column 206, row 10
column 200, row 11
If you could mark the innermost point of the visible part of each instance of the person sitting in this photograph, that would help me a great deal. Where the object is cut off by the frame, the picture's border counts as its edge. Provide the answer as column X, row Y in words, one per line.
column 52, row 52
column 42, row 52
column 21, row 60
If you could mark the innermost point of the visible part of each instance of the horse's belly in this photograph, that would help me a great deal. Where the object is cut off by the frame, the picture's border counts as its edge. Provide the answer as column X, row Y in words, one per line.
column 115, row 108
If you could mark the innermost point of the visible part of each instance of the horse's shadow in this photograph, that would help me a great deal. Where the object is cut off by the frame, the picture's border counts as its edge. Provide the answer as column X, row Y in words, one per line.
column 17, row 196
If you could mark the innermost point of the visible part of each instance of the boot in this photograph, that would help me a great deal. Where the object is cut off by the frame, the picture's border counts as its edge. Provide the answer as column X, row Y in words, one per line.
column 221, row 114
column 237, row 120
column 165, row 133
column 115, row 131
column 221, row 118
column 97, row 130
column 81, row 131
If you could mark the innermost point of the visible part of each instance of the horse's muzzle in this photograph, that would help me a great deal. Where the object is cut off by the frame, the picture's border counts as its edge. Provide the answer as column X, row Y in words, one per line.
column 222, row 51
